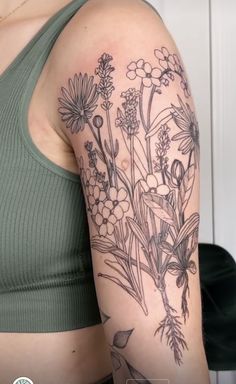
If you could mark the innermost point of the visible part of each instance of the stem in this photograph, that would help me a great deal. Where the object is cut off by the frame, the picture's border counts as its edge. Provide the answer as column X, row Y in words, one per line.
column 122, row 236
column 130, row 263
column 148, row 140
column 190, row 158
column 149, row 156
column 115, row 174
column 132, row 163
column 149, row 107
column 162, row 171
column 112, row 147
column 165, row 299
column 104, row 154
column 99, row 143
column 163, row 177
column 92, row 130
column 141, row 107
column 140, row 282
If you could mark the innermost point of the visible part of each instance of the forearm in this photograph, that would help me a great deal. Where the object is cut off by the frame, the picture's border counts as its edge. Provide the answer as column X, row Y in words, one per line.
column 148, row 353
column 150, row 367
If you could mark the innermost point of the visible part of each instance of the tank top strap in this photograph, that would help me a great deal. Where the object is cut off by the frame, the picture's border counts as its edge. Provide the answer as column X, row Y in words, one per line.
column 46, row 36
column 41, row 43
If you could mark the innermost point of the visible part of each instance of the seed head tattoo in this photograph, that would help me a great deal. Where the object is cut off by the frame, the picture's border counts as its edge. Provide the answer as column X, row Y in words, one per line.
column 141, row 221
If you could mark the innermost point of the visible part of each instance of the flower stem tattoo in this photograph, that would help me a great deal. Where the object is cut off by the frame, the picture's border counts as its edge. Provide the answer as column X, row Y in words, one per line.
column 141, row 221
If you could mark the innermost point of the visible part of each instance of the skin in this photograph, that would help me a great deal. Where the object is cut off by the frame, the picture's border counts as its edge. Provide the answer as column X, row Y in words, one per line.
column 122, row 334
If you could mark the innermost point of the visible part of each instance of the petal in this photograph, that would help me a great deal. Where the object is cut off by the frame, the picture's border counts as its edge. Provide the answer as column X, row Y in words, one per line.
column 131, row 75
column 156, row 82
column 118, row 212
column 140, row 73
column 132, row 66
column 88, row 174
column 112, row 219
column 171, row 59
column 90, row 189
column 91, row 200
column 94, row 210
column 124, row 205
column 171, row 66
column 165, row 52
column 163, row 190
column 176, row 58
column 106, row 212
column 109, row 204
column 121, row 195
column 99, row 219
column 181, row 279
column 103, row 230
column 156, row 73
column 147, row 67
column 174, row 268
column 159, row 54
column 110, row 228
column 140, row 63
column 113, row 193
column 96, row 192
column 163, row 63
column 147, row 82
column 151, row 181
column 100, row 206
column 185, row 145
column 180, row 136
column 192, row 267
column 102, row 195
column 92, row 180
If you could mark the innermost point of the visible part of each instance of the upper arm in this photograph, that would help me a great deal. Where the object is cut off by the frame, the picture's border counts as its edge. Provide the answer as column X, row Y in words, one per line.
column 124, row 103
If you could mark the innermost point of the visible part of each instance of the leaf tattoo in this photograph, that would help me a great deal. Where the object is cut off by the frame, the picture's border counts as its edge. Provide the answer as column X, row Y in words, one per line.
column 121, row 338
column 140, row 221
column 104, row 317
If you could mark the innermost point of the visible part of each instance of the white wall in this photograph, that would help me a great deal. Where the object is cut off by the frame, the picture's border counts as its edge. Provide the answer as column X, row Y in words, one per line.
column 223, row 29
column 205, row 33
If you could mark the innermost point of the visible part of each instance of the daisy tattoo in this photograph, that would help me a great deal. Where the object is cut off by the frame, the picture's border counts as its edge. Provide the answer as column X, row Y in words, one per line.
column 140, row 212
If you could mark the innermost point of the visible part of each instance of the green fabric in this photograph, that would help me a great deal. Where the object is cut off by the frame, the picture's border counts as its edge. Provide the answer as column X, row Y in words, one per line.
column 218, row 288
column 46, row 276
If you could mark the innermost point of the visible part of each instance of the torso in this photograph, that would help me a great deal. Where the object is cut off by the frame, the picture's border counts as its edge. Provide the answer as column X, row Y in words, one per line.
column 72, row 357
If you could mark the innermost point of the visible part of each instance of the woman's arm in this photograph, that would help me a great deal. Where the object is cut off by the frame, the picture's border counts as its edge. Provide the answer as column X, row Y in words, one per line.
column 124, row 103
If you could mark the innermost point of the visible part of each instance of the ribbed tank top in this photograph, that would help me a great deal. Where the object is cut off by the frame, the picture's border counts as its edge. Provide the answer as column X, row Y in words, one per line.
column 46, row 276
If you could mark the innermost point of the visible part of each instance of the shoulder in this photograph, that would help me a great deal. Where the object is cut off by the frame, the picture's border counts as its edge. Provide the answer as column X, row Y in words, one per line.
column 126, row 30
column 104, row 24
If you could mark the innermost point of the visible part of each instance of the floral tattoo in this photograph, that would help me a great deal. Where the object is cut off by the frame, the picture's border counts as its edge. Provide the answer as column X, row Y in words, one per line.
column 140, row 221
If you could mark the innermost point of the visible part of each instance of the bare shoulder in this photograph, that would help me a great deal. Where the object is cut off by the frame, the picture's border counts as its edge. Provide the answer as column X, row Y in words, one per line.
column 103, row 24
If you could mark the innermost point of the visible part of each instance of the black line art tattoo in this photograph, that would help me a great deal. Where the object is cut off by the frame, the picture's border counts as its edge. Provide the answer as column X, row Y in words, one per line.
column 104, row 317
column 141, row 220
column 120, row 341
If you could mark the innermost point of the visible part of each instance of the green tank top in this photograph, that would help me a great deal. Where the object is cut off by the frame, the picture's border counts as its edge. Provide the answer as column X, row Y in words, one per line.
column 46, row 275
